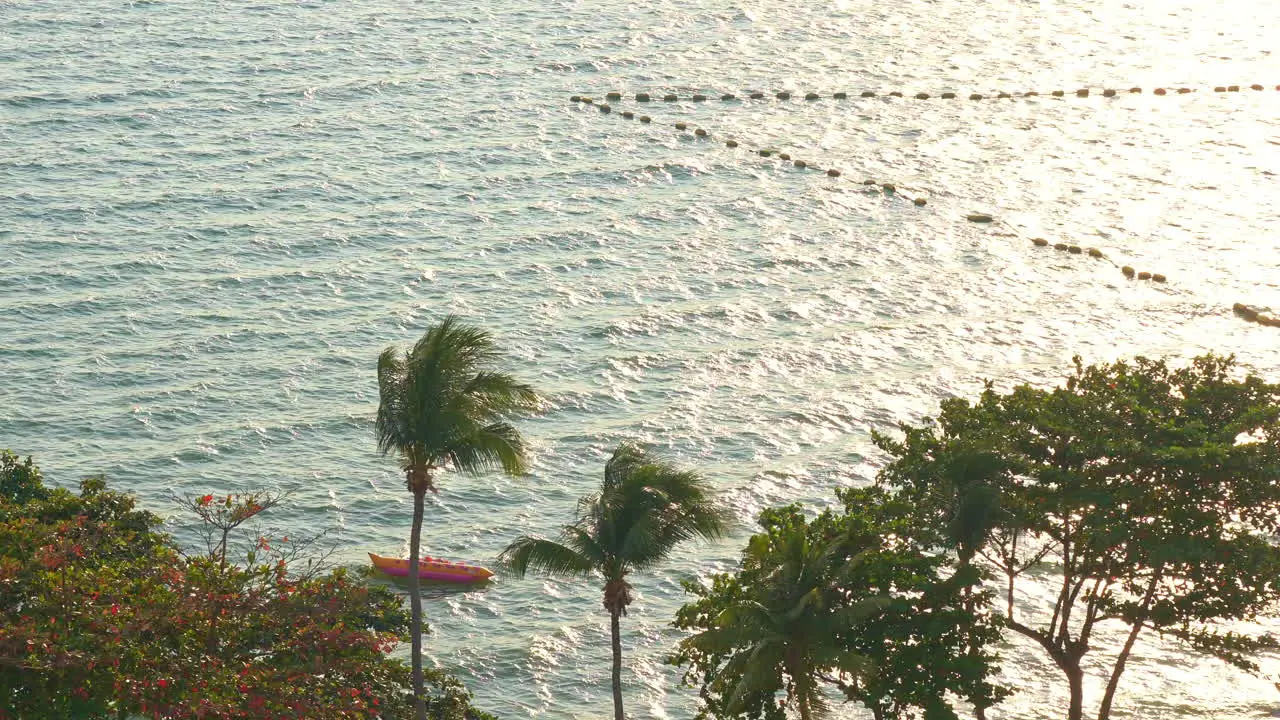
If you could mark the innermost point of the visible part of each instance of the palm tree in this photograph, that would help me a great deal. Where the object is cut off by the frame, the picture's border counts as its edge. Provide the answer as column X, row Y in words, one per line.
column 779, row 632
column 644, row 509
column 441, row 405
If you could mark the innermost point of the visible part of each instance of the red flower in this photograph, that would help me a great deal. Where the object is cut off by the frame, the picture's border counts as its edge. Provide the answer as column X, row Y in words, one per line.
column 115, row 609
column 162, row 683
column 206, row 500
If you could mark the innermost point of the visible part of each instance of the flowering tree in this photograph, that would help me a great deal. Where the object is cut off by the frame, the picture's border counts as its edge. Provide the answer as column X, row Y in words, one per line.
column 101, row 615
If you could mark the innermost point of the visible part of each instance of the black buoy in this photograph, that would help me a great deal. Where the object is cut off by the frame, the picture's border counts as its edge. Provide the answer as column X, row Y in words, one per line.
column 800, row 163
column 700, row 132
column 613, row 96
column 1039, row 242
column 833, row 173
column 1245, row 311
column 670, row 97
column 812, row 96
column 757, row 96
column 784, row 95
column 844, row 95
column 699, row 98
column 1108, row 93
column 728, row 96
column 646, row 119
column 948, row 96
column 869, row 93
column 922, row 96
column 975, row 96
column 731, row 143
column 1161, row 91
column 895, row 93
column 920, row 202
column 1128, row 271
column 642, row 97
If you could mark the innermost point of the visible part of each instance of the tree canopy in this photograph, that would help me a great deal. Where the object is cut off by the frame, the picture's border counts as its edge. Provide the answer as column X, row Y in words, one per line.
column 103, row 615
column 1148, row 492
column 848, row 603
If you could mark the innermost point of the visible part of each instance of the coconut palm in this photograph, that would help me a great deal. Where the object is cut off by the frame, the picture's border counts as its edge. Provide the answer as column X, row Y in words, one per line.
column 643, row 510
column 442, row 405
column 779, row 632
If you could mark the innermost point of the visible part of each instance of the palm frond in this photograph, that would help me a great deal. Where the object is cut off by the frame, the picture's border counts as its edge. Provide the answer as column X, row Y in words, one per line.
column 530, row 553
column 760, row 673
column 498, row 445
column 860, row 611
column 585, row 543
column 492, row 395
column 623, row 462
column 443, row 402
column 390, row 426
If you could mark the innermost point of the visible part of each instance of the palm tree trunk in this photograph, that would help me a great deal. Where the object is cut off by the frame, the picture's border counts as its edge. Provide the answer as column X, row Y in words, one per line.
column 615, row 631
column 415, row 603
column 806, row 713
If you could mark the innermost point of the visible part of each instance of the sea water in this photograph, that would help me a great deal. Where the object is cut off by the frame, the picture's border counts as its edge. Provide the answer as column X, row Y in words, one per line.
column 214, row 215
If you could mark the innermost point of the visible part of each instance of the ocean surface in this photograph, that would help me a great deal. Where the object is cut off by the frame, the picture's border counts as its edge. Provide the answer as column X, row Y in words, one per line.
column 215, row 214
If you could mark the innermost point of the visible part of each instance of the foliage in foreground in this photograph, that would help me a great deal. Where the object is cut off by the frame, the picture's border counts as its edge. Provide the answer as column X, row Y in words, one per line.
column 102, row 616
column 1148, row 493
column 1148, row 496
column 845, row 603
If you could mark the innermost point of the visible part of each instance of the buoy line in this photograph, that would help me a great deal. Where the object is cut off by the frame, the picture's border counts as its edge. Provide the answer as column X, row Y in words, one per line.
column 786, row 95
column 885, row 188
column 1247, row 312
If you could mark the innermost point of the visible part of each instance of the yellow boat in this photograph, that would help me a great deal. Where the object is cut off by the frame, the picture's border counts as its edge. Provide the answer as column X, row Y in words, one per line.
column 433, row 569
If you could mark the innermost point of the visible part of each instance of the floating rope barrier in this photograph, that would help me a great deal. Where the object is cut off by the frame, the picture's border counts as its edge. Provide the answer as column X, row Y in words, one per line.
column 1255, row 315
column 1248, row 313
column 644, row 97
column 886, row 188
column 1097, row 254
